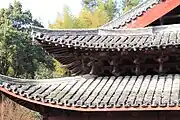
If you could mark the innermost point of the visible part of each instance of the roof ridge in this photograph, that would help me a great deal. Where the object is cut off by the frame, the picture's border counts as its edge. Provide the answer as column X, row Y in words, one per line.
column 8, row 79
column 74, row 29
column 65, row 31
column 108, row 31
column 139, row 31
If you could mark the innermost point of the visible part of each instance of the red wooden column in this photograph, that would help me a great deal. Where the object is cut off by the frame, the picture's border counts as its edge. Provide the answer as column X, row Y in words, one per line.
column 155, row 13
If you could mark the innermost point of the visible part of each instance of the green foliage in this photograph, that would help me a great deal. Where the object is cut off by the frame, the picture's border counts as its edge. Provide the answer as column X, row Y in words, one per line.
column 58, row 70
column 86, row 18
column 110, row 6
column 18, row 56
column 64, row 21
column 128, row 4
column 94, row 14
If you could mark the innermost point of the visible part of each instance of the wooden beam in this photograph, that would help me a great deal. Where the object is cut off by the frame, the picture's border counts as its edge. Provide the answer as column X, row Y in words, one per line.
column 171, row 17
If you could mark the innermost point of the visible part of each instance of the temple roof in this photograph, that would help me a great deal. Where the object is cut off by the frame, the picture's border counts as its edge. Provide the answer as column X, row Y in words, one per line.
column 132, row 14
column 92, row 93
column 144, row 14
column 77, row 49
column 87, row 51
column 112, row 40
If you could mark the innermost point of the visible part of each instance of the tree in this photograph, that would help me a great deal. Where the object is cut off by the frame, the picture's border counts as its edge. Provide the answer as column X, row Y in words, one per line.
column 18, row 56
column 66, row 20
column 94, row 14
column 92, row 20
column 128, row 4
column 86, row 18
column 110, row 6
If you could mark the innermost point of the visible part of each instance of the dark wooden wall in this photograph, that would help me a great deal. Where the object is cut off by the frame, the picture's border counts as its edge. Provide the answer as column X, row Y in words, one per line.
column 148, row 115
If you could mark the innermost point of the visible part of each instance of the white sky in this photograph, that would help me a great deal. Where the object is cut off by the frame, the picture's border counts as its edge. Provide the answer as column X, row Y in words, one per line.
column 46, row 10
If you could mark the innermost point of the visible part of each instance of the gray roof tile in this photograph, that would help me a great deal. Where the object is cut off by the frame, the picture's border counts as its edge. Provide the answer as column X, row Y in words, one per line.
column 110, row 40
column 100, row 92
column 131, row 15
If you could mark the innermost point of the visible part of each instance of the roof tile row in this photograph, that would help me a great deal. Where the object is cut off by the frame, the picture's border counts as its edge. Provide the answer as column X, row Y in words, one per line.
column 115, row 42
column 103, row 92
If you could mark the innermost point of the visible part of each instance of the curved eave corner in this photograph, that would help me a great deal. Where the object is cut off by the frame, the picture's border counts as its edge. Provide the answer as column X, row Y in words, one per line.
column 90, row 93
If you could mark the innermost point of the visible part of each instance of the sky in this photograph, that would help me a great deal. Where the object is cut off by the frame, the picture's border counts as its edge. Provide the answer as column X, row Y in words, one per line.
column 46, row 10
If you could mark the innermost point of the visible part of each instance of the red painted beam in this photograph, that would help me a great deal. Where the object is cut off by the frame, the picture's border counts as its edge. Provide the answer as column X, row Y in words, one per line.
column 153, row 14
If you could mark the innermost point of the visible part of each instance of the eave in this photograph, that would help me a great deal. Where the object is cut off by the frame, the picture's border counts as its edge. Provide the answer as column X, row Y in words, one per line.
column 109, row 39
column 123, row 93
column 77, row 49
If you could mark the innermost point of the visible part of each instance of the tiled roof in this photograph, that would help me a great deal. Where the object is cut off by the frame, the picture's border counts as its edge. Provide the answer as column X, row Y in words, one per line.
column 91, row 93
column 107, row 39
column 132, row 14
